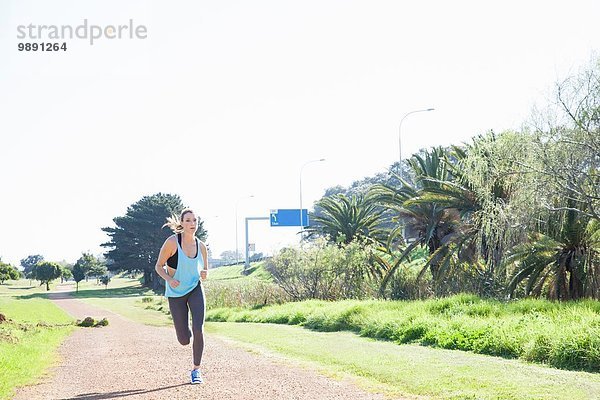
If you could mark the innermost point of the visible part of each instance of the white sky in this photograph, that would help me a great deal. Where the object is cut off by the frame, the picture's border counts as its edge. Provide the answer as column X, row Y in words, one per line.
column 225, row 99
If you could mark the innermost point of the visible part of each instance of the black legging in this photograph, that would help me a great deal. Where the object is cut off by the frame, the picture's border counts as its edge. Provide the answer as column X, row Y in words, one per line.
column 194, row 300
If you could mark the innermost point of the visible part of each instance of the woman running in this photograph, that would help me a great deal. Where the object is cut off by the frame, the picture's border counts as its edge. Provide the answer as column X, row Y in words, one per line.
column 186, row 260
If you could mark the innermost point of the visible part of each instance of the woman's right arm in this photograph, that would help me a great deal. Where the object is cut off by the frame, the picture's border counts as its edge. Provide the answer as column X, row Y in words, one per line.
column 167, row 250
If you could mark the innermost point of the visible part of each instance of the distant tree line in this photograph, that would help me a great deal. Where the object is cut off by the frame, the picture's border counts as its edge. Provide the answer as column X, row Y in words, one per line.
column 35, row 267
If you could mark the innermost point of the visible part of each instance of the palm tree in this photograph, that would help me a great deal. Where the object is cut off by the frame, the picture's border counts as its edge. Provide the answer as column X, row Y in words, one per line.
column 563, row 260
column 434, row 224
column 344, row 219
column 471, row 240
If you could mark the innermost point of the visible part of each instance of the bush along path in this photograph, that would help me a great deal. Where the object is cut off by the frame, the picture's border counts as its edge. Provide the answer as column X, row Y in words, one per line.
column 128, row 359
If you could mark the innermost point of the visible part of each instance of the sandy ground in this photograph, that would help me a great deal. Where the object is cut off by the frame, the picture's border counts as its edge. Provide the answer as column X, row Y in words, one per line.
column 130, row 360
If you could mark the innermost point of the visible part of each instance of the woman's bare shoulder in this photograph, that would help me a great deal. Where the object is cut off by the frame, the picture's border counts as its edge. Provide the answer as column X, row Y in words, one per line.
column 202, row 245
column 171, row 241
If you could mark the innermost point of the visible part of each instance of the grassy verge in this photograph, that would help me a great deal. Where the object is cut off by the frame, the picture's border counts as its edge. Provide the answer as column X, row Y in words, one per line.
column 23, row 287
column 126, row 297
column 412, row 370
column 226, row 286
column 563, row 335
column 256, row 271
column 29, row 340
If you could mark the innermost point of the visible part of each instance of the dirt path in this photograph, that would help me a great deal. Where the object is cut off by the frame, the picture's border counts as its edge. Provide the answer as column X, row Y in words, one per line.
column 130, row 360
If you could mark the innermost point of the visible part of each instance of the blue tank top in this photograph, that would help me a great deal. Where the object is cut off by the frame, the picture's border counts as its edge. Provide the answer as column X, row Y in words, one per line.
column 187, row 272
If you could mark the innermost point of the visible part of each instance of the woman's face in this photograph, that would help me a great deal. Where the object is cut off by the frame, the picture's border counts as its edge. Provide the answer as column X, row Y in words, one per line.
column 189, row 223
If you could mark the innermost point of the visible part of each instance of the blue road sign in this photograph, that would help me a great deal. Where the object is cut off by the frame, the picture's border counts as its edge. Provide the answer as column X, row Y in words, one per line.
column 289, row 217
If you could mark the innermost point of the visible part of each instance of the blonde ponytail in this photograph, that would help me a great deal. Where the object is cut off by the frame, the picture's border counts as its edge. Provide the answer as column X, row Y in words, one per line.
column 174, row 221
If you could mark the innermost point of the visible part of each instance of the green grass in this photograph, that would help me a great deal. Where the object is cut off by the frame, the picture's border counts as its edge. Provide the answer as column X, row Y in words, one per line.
column 564, row 335
column 23, row 287
column 124, row 296
column 28, row 342
column 256, row 271
column 412, row 370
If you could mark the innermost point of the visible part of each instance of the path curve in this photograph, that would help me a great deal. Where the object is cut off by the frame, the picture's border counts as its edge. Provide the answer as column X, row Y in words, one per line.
column 129, row 360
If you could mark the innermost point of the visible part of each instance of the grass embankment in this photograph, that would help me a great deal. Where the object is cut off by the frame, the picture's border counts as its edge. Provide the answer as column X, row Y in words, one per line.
column 411, row 371
column 29, row 340
column 563, row 335
column 256, row 271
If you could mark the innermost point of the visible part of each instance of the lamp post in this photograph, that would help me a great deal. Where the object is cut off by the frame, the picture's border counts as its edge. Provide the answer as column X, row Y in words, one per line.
column 400, row 135
column 237, row 254
column 301, row 169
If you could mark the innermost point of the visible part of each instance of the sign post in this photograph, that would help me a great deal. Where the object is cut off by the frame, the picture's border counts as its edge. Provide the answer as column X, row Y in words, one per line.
column 279, row 217
column 289, row 217
column 247, row 263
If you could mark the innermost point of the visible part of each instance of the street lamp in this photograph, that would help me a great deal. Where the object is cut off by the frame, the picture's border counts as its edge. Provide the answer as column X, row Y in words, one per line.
column 304, row 165
column 400, row 134
column 237, row 256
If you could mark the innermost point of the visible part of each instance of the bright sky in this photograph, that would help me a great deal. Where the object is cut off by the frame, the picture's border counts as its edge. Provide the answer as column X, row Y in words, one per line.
column 227, row 99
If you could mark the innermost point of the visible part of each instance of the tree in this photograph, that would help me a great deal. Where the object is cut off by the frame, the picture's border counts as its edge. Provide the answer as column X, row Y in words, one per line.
column 137, row 237
column 47, row 271
column 431, row 224
column 97, row 270
column 563, row 260
column 363, row 187
column 568, row 143
column 105, row 279
column 29, row 263
column 228, row 257
column 486, row 188
column 90, row 265
column 346, row 219
column 78, row 273
column 8, row 272
column 65, row 274
column 256, row 257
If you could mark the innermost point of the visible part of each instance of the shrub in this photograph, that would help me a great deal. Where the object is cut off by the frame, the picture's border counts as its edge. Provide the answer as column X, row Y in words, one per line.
column 323, row 271
column 91, row 322
column 87, row 322
column 403, row 285
column 249, row 293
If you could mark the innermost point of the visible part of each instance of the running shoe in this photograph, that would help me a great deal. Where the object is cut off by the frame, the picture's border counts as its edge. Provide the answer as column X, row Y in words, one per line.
column 196, row 377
